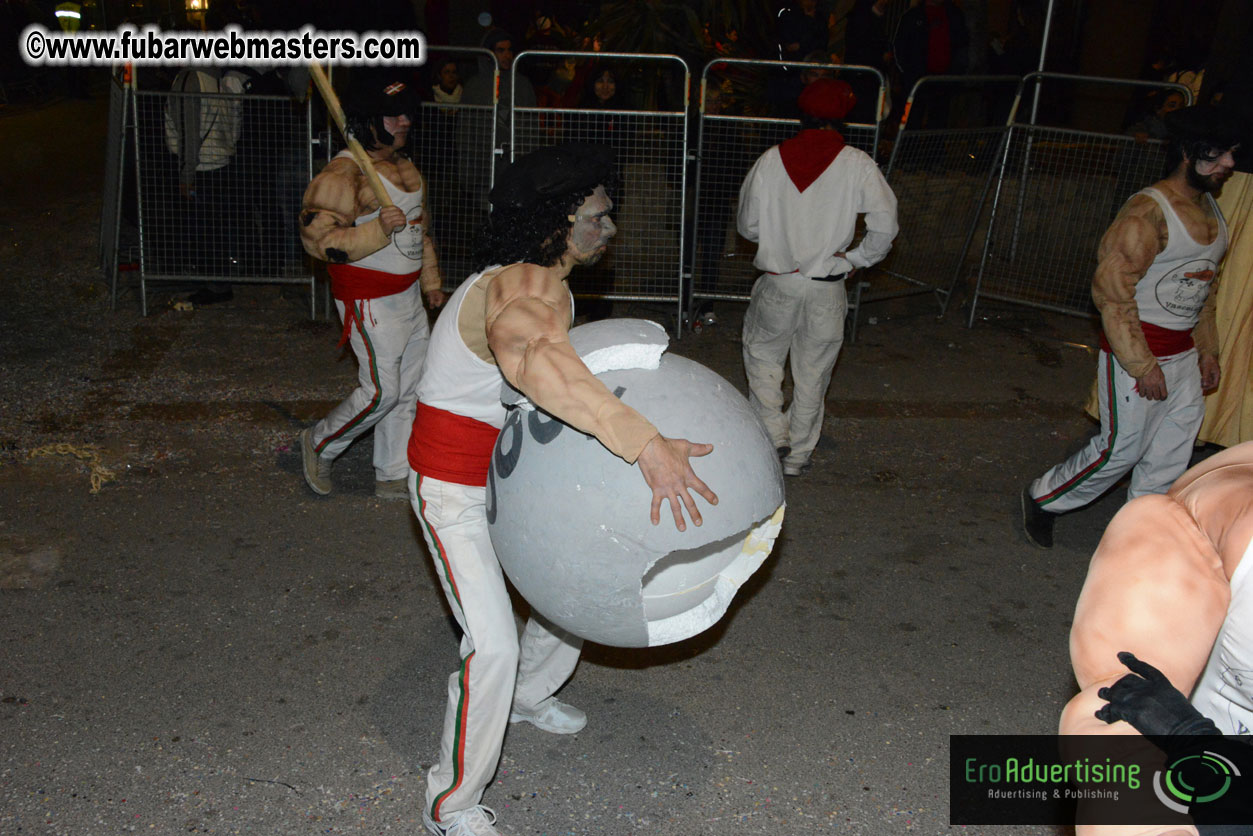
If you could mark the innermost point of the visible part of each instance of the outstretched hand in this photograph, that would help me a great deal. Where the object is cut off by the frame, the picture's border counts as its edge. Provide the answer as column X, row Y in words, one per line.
column 665, row 467
column 1146, row 699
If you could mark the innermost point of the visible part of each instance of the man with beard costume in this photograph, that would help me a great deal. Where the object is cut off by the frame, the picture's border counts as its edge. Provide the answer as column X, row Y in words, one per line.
column 1159, row 349
column 550, row 213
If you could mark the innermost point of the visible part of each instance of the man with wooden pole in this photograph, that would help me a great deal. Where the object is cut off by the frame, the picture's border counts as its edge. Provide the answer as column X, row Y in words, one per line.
column 365, row 215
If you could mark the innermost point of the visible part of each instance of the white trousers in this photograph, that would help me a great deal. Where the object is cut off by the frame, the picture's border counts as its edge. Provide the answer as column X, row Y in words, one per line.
column 496, row 670
column 803, row 318
column 389, row 339
column 1152, row 439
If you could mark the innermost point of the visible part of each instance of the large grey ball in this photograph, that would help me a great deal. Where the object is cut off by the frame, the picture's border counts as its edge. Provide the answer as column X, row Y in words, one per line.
column 570, row 521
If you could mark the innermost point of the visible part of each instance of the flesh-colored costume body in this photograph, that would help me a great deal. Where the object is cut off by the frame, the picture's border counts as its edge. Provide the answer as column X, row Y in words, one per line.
column 1160, row 585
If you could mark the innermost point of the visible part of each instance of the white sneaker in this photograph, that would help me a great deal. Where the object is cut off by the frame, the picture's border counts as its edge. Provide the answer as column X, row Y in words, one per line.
column 551, row 715
column 317, row 470
column 476, row 821
column 794, row 469
column 392, row 489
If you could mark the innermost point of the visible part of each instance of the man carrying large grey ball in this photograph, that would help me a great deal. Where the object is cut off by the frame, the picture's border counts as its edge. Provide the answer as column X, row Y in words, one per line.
column 510, row 321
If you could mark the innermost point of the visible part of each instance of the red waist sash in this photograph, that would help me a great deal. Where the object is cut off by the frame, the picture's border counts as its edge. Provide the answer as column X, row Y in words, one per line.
column 1163, row 342
column 349, row 283
column 451, row 447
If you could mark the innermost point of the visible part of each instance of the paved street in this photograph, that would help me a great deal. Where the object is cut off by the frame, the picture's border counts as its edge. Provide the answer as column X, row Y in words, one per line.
column 204, row 646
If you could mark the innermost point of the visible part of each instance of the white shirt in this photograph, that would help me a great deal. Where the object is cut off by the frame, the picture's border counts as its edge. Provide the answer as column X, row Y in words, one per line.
column 800, row 232
column 1225, row 692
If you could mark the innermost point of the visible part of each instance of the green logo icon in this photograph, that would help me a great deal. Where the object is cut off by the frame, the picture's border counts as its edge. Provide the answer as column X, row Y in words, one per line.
column 1193, row 780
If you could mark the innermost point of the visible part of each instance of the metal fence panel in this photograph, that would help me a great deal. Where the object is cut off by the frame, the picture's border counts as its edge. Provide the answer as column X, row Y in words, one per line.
column 114, row 165
column 235, row 218
column 729, row 144
column 649, row 134
column 1057, row 191
column 454, row 147
column 941, row 171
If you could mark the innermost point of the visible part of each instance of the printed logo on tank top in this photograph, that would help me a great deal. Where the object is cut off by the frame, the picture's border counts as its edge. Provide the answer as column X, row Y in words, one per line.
column 1183, row 290
column 408, row 239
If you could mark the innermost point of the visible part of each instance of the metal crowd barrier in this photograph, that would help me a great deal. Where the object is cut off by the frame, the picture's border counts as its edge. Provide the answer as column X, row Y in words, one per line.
column 111, row 207
column 943, row 164
column 647, row 126
column 1057, row 191
column 730, row 143
column 454, row 146
column 238, row 221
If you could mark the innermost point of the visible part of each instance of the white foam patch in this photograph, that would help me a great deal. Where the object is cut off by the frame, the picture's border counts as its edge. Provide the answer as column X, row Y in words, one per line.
column 606, row 346
column 755, row 550
column 615, row 357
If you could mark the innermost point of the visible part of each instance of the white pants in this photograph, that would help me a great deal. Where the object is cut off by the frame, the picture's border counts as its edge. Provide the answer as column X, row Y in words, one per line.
column 389, row 339
column 496, row 672
column 793, row 315
column 1152, row 439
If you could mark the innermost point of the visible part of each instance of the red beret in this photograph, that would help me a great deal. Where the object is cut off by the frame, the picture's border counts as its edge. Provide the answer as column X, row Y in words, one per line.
column 827, row 98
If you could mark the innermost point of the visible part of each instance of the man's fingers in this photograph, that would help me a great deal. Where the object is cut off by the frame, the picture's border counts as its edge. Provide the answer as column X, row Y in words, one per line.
column 654, row 513
column 677, row 509
column 700, row 449
column 695, row 481
column 692, row 510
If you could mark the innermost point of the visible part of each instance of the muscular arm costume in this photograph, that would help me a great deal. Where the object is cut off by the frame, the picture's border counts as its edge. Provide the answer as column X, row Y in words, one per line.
column 1158, row 586
column 518, row 319
column 1127, row 250
column 339, row 195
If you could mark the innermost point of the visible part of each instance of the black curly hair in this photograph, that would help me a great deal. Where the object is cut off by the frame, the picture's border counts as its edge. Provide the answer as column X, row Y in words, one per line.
column 537, row 234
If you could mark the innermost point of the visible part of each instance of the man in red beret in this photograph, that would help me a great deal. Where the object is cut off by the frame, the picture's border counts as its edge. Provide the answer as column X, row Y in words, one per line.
column 800, row 203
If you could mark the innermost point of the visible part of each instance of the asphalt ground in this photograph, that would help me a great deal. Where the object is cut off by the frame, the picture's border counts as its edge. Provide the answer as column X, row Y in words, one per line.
column 196, row 643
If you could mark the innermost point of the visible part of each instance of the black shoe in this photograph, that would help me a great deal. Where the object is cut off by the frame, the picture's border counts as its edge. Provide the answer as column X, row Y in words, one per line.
column 1037, row 523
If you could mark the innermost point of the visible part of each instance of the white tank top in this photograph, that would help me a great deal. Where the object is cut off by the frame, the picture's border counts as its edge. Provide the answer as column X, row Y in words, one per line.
column 404, row 254
column 1171, row 294
column 454, row 378
column 1225, row 692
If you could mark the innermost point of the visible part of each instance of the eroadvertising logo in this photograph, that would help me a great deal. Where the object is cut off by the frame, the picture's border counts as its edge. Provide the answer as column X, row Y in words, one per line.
column 1198, row 779
column 1099, row 779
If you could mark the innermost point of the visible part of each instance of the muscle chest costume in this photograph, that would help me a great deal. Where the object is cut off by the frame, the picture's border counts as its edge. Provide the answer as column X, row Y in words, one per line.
column 377, row 283
column 1152, row 439
column 1169, row 582
column 1173, row 292
column 396, row 265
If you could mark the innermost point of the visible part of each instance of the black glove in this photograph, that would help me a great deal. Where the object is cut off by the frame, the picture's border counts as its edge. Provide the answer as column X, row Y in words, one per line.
column 1146, row 699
